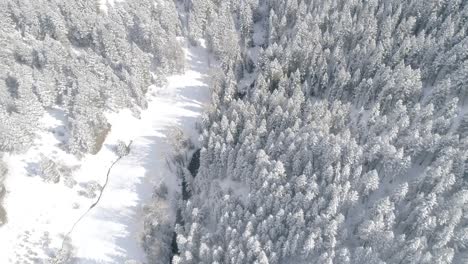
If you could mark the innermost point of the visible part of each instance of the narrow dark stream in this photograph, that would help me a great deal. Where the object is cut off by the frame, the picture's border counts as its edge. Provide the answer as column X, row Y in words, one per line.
column 194, row 164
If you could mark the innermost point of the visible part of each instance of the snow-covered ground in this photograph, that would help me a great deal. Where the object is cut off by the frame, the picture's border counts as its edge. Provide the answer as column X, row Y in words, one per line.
column 40, row 213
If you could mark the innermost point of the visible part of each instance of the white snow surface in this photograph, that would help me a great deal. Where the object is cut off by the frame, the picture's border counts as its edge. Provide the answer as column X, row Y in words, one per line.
column 41, row 213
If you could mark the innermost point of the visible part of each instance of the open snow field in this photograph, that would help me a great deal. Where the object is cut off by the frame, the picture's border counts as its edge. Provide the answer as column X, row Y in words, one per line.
column 40, row 213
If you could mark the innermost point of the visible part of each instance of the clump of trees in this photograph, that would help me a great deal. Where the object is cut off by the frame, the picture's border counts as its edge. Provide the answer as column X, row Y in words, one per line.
column 350, row 144
column 158, row 227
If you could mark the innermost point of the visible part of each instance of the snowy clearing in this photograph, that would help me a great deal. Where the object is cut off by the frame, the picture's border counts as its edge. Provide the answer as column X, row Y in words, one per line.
column 40, row 213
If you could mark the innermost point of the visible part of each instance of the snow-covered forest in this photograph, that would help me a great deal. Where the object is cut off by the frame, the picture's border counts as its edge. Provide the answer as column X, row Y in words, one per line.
column 333, row 131
column 338, row 133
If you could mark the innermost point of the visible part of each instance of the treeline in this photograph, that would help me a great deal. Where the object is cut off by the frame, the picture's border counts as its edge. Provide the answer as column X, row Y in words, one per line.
column 338, row 133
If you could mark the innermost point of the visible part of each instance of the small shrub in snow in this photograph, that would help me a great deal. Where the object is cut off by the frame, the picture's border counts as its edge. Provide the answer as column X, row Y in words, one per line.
column 69, row 182
column 53, row 171
column 66, row 173
column 89, row 189
column 122, row 149
column 49, row 170
column 136, row 112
